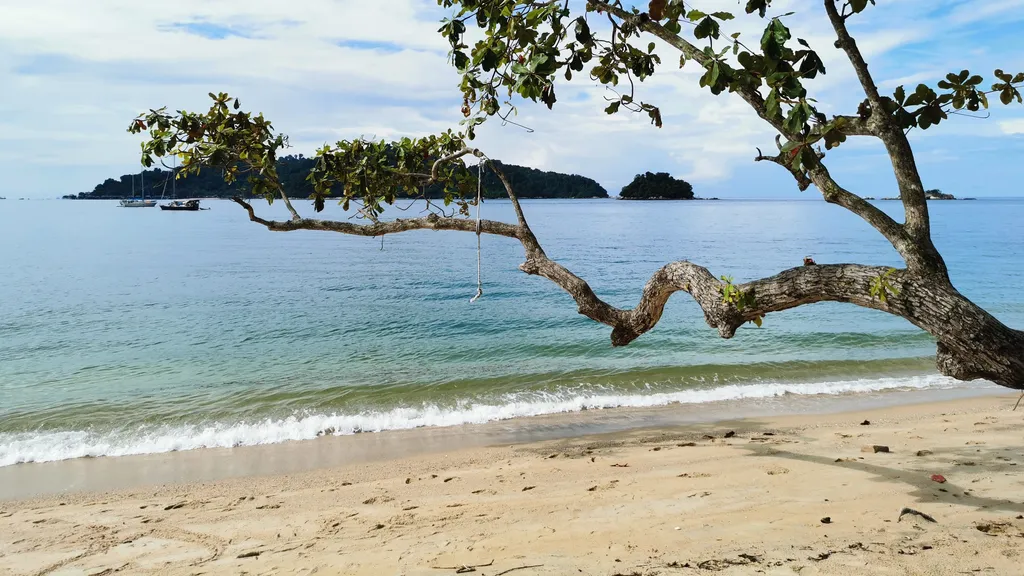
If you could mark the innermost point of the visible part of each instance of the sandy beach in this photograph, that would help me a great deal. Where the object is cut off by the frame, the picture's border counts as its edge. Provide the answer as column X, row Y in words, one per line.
column 782, row 495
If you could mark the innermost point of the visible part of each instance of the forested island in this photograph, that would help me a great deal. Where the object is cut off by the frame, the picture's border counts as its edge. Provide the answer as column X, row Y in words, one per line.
column 292, row 170
column 657, row 186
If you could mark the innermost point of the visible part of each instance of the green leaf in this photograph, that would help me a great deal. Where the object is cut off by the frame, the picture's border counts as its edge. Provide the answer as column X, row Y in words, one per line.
column 613, row 107
column 722, row 15
column 707, row 27
column 757, row 320
column 797, row 117
column 759, row 6
column 772, row 105
column 694, row 15
column 774, row 39
column 900, row 95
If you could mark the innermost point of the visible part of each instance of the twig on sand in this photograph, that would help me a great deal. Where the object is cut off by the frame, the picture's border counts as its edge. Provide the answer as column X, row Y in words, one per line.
column 464, row 568
column 906, row 511
column 1018, row 401
column 518, row 568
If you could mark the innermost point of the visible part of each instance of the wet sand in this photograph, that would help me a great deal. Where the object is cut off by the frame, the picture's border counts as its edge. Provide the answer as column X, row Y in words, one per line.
column 804, row 494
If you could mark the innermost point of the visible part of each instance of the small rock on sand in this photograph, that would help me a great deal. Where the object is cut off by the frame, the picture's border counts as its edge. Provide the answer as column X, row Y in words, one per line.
column 875, row 449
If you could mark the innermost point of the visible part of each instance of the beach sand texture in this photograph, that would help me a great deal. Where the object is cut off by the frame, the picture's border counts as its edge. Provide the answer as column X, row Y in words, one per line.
column 789, row 495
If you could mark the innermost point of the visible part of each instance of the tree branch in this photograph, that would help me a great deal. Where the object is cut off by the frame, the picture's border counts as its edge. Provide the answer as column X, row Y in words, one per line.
column 856, row 126
column 784, row 160
column 288, row 203
column 429, row 222
column 860, row 67
column 454, row 156
column 932, row 306
column 908, row 178
column 842, row 283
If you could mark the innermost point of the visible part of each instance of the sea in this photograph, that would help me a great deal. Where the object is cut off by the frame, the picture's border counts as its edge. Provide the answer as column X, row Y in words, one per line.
column 135, row 331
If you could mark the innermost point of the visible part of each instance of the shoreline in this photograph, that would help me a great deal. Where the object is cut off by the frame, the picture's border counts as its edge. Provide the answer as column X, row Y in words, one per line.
column 667, row 500
column 210, row 464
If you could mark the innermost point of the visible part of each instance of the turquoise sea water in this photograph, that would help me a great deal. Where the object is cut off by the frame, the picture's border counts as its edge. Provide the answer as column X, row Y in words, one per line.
column 126, row 331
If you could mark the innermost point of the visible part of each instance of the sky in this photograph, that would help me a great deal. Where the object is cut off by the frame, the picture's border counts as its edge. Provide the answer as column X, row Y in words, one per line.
column 75, row 73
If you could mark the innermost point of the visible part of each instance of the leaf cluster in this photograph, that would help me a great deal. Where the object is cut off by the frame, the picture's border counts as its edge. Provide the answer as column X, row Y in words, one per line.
column 224, row 136
column 882, row 286
column 925, row 107
column 370, row 173
column 731, row 294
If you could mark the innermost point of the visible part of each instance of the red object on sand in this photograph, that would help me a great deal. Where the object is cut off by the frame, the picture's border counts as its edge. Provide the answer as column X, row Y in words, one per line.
column 938, row 478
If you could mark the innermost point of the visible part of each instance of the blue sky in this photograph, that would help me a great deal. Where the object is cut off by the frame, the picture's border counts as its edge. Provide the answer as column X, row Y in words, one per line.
column 74, row 74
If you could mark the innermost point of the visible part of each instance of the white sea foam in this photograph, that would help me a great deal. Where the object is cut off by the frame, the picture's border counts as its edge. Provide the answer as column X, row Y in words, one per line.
column 48, row 446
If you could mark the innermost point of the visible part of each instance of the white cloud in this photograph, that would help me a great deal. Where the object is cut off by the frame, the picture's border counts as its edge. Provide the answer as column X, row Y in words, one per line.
column 75, row 73
column 1015, row 126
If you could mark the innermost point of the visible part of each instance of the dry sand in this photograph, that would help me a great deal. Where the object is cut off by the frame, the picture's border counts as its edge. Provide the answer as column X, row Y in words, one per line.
column 791, row 495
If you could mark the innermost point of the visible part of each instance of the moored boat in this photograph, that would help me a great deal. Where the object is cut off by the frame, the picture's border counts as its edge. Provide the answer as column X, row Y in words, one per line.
column 182, row 205
column 134, row 202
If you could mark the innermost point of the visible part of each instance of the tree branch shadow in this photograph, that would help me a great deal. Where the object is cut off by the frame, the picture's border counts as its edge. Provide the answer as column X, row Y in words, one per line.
column 994, row 461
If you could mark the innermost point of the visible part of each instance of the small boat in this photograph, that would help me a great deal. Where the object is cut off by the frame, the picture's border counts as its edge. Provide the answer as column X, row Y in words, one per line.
column 134, row 202
column 182, row 205
column 137, row 203
column 177, row 205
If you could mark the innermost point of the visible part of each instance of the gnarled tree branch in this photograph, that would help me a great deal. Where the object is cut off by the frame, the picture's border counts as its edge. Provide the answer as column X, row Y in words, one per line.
column 935, row 307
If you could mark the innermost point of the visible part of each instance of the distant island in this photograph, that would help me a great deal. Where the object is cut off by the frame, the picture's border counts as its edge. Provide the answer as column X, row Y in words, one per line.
column 292, row 170
column 658, row 186
column 933, row 194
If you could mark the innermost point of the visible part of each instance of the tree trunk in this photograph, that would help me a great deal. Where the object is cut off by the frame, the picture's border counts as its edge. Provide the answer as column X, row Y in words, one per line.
column 972, row 343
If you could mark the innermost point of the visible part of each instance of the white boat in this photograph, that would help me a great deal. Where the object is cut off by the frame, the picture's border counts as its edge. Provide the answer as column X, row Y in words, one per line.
column 138, row 202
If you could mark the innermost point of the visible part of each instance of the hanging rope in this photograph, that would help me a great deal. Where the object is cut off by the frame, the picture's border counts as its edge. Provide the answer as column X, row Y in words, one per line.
column 479, row 191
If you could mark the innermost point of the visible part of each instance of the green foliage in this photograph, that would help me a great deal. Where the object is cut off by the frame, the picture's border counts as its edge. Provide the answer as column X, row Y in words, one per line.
column 223, row 137
column 376, row 172
column 882, row 287
column 925, row 107
column 657, row 186
column 367, row 172
column 526, row 45
column 519, row 51
column 731, row 294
